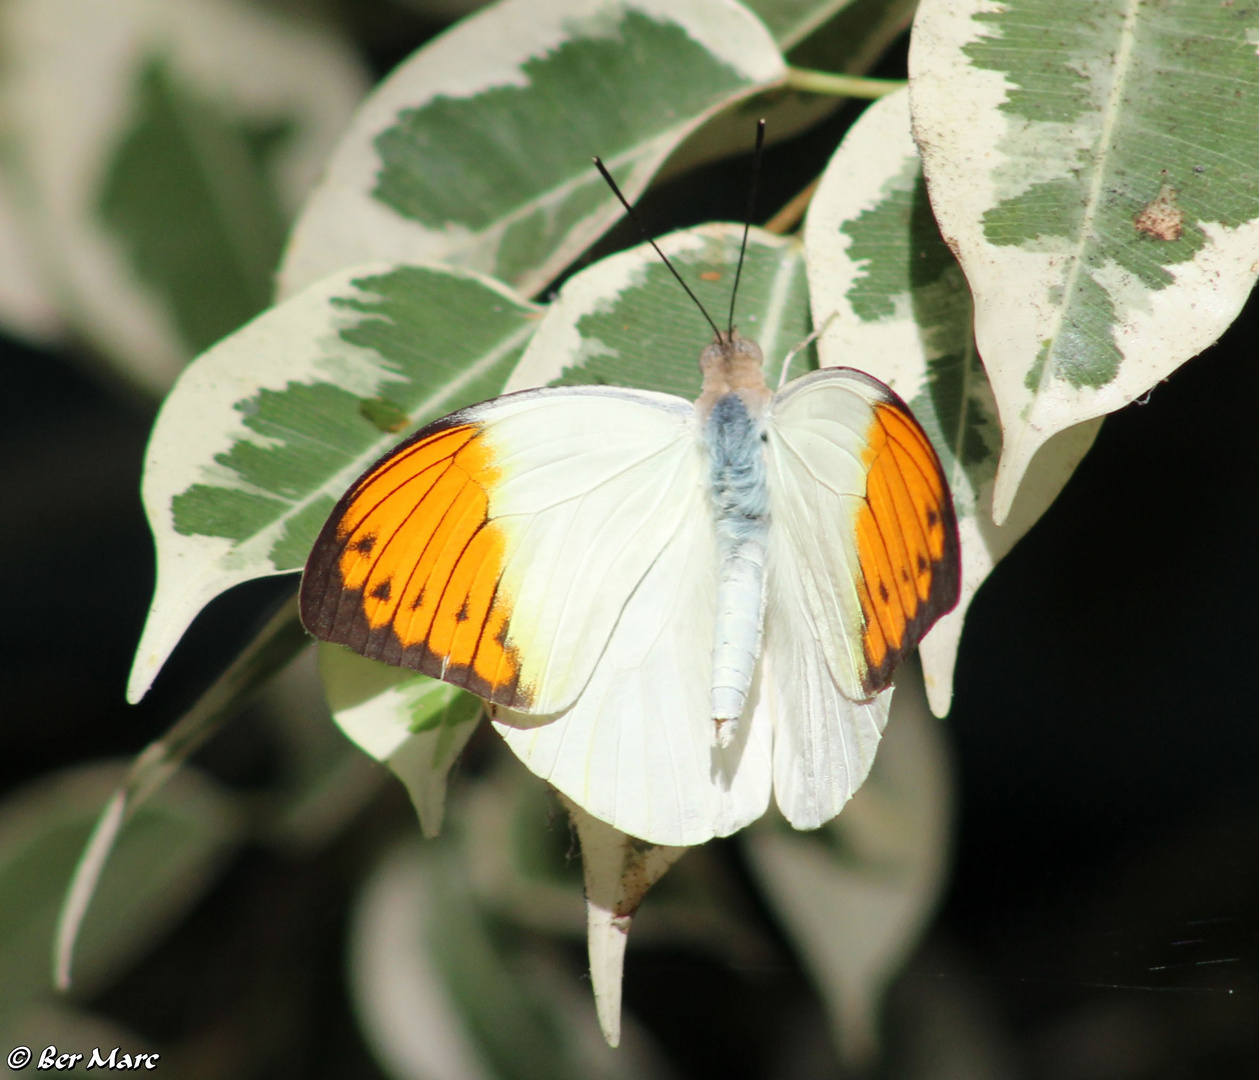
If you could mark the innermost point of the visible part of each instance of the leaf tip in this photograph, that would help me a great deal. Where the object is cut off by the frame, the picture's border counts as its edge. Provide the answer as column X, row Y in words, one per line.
column 143, row 672
column 939, row 694
column 151, row 654
column 606, row 935
column 937, row 653
column 82, row 887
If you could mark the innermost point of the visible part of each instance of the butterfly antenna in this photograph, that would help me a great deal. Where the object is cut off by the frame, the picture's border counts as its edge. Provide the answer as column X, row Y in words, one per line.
column 647, row 236
column 747, row 218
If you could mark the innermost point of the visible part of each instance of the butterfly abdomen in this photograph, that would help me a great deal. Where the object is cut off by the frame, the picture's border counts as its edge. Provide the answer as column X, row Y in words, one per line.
column 740, row 499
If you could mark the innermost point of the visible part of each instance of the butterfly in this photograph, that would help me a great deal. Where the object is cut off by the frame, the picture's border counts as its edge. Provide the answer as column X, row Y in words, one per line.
column 670, row 608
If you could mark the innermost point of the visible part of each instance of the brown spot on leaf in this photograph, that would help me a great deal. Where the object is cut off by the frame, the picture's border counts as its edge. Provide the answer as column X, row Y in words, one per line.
column 1161, row 218
column 710, row 275
column 383, row 414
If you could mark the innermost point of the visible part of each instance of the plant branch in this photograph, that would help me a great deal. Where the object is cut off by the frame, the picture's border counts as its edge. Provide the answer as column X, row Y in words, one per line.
column 832, row 85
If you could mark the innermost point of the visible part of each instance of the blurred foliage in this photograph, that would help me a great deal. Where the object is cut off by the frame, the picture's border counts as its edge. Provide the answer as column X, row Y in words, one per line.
column 273, row 912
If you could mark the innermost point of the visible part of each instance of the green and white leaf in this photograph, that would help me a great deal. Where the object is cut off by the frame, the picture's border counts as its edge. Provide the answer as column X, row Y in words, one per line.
column 278, row 641
column 262, row 434
column 409, row 1019
column 855, row 895
column 1097, row 173
column 791, row 21
column 444, row 991
column 158, row 149
column 619, row 870
column 626, row 322
column 416, row 725
column 477, row 150
column 895, row 304
column 159, row 869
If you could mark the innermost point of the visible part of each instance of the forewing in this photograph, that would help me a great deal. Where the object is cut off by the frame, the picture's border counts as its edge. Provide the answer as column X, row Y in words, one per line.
column 639, row 748
column 861, row 511
column 497, row 547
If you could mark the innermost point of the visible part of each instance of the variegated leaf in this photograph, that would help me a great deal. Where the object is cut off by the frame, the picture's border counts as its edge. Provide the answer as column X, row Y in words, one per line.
column 895, row 304
column 523, row 871
column 626, row 322
column 791, row 21
column 1096, row 171
column 619, row 870
column 161, row 866
column 263, row 433
column 277, row 642
column 159, row 148
column 446, row 990
column 415, row 725
column 477, row 150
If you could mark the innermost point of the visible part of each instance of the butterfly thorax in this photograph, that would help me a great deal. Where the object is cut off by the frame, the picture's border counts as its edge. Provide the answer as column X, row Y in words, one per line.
column 730, row 409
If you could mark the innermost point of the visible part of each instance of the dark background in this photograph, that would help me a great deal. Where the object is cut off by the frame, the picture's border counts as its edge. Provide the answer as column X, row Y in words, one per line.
column 1102, row 906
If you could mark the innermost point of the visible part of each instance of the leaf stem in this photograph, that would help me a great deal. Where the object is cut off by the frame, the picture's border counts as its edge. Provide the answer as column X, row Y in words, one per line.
column 826, row 82
column 275, row 645
column 789, row 216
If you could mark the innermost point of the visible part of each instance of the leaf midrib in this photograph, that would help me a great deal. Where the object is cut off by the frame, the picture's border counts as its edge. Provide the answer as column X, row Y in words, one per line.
column 1105, row 143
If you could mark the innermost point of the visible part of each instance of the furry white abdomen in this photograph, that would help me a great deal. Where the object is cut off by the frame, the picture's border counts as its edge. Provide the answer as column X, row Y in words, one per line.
column 740, row 498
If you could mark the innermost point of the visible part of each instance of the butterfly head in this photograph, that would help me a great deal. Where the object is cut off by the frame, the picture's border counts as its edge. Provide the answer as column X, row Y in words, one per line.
column 732, row 364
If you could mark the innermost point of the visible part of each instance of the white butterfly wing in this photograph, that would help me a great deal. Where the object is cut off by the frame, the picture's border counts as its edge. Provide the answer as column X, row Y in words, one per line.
column 863, row 557
column 639, row 749
column 860, row 510
column 497, row 547
column 824, row 743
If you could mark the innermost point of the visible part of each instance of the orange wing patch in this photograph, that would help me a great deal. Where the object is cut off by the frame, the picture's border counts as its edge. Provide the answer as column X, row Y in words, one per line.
column 906, row 541
column 408, row 568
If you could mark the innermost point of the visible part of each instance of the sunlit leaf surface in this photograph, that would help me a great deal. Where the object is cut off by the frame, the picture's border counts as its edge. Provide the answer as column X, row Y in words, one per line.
column 1098, row 177
column 461, row 155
